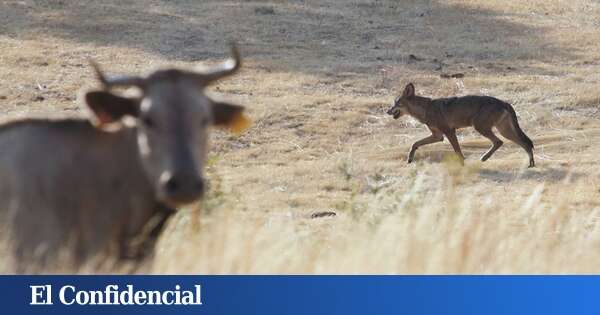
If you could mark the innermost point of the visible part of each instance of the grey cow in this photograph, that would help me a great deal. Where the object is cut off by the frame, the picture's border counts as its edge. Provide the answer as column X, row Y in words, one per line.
column 74, row 184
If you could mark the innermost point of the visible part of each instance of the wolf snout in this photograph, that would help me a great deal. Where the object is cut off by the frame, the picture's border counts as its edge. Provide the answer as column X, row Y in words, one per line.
column 395, row 112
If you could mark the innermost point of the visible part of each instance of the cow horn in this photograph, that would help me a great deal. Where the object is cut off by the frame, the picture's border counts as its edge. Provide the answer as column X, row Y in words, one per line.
column 225, row 69
column 109, row 82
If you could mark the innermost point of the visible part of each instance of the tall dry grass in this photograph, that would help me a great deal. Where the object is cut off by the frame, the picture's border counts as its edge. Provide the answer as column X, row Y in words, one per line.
column 441, row 224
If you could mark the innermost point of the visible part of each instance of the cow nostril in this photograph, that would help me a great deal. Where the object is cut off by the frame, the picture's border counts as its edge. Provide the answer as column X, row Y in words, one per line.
column 172, row 185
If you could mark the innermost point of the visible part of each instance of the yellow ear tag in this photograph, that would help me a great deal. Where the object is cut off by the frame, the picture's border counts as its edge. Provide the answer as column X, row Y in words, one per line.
column 239, row 123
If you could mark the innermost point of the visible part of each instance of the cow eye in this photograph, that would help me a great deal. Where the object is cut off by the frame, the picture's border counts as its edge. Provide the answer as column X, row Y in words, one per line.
column 148, row 122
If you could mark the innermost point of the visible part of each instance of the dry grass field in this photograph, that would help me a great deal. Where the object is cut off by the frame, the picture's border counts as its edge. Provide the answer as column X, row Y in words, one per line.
column 317, row 78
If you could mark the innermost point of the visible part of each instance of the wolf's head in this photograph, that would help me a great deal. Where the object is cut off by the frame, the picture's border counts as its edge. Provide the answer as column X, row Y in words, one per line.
column 400, row 106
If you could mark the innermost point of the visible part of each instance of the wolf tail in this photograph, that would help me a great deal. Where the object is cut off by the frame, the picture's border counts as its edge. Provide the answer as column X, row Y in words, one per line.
column 515, row 124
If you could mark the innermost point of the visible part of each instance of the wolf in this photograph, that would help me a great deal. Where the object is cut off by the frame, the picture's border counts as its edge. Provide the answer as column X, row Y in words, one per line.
column 443, row 116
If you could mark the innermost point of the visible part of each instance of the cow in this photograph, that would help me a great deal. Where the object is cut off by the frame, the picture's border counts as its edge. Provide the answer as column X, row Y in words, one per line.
column 91, row 187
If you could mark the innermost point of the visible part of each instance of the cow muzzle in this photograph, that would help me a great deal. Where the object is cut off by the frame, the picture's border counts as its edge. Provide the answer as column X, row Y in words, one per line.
column 180, row 188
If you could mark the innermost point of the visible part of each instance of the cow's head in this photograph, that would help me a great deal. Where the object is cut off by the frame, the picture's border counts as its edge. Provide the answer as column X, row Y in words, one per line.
column 172, row 116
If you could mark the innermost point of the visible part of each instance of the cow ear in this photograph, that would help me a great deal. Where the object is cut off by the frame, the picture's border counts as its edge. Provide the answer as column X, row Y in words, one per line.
column 229, row 116
column 409, row 90
column 109, row 108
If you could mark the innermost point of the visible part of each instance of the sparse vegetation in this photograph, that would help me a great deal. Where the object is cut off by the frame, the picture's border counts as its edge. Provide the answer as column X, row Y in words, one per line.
column 314, row 84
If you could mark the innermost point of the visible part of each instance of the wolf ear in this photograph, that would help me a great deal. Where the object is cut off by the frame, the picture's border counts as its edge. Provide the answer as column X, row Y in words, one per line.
column 409, row 90
column 109, row 108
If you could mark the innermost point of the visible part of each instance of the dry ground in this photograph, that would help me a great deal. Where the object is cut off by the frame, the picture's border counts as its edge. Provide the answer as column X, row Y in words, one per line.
column 317, row 79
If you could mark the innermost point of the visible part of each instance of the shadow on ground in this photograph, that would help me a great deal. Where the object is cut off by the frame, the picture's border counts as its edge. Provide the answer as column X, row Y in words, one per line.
column 350, row 36
column 546, row 174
